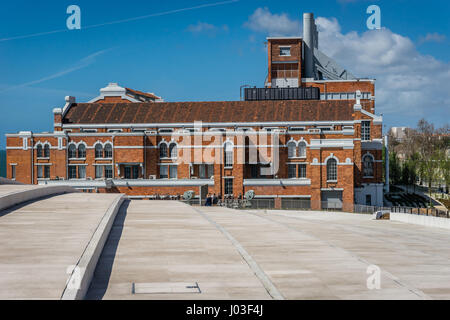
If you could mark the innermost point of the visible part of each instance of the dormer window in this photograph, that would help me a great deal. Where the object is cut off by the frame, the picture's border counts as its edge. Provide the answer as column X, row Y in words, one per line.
column 285, row 51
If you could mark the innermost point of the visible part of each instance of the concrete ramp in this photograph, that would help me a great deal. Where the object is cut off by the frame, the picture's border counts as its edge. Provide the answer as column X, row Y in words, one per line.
column 14, row 194
column 44, row 242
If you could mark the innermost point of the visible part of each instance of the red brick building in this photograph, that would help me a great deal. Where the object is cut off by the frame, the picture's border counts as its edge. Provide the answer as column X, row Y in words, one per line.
column 325, row 148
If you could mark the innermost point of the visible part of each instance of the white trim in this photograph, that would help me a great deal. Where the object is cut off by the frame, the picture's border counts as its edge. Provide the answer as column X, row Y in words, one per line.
column 348, row 80
column 295, row 196
column 277, row 182
column 129, row 147
column 331, row 143
column 85, row 183
column 209, row 124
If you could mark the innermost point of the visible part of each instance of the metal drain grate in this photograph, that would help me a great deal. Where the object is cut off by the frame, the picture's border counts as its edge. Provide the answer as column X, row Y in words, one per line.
column 165, row 287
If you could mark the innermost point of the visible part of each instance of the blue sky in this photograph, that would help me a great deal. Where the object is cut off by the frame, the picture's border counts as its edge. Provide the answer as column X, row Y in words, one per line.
column 206, row 53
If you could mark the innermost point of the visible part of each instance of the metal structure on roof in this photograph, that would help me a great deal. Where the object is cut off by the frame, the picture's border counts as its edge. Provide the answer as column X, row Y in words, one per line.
column 317, row 64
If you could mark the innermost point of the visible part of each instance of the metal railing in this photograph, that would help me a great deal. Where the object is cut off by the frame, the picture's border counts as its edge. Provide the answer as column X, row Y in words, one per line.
column 423, row 211
column 314, row 205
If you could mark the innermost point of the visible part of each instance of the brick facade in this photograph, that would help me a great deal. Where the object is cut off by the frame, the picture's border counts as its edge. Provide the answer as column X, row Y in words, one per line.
column 137, row 126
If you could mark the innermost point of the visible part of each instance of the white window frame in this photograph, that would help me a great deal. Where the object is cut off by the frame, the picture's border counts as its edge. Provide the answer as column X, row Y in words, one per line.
column 228, row 152
column 331, row 174
column 365, row 130
column 281, row 50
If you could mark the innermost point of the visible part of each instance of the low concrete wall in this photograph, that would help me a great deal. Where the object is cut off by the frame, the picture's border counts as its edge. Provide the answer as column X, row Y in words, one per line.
column 8, row 181
column 80, row 280
column 427, row 221
column 14, row 198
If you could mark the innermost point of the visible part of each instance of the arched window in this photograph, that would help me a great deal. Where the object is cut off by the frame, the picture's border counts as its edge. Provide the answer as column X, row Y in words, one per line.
column 81, row 151
column 108, row 151
column 368, row 166
column 228, row 154
column 163, row 150
column 292, row 149
column 302, row 149
column 39, row 151
column 46, row 151
column 72, row 151
column 332, row 169
column 98, row 150
column 173, row 150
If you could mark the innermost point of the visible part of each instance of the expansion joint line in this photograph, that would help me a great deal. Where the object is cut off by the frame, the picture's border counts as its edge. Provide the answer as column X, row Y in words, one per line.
column 260, row 274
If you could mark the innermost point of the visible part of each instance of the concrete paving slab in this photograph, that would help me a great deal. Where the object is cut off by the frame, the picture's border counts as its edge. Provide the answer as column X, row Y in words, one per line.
column 305, row 255
column 167, row 241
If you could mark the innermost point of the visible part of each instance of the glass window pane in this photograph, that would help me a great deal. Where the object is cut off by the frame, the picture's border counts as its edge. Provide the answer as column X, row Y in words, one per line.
column 108, row 172
column 163, row 172
column 302, row 170
column 291, row 150
column 163, row 150
column 332, row 169
column 292, row 171
column 228, row 186
column 98, row 151
column 302, row 149
column 210, row 170
column 108, row 151
column 47, row 172
column 81, row 172
column 173, row 172
column 136, row 172
column 365, row 130
column 72, row 172
column 98, row 172
column 201, row 171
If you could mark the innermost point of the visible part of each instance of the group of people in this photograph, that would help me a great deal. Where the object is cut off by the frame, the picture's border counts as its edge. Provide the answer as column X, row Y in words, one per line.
column 212, row 199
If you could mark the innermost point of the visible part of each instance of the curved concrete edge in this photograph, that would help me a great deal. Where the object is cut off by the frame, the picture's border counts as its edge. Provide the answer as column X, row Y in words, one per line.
column 14, row 198
column 8, row 181
column 81, row 277
column 426, row 221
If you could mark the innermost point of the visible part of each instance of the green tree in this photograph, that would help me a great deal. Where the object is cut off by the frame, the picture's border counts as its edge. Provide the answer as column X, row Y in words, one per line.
column 445, row 165
column 395, row 169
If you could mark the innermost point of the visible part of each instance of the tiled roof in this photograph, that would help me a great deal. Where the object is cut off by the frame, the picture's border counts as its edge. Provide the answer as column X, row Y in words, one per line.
column 223, row 111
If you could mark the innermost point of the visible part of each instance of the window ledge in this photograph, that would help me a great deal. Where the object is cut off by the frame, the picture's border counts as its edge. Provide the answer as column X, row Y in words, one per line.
column 43, row 158
column 331, row 181
column 77, row 158
column 228, row 167
column 100, row 159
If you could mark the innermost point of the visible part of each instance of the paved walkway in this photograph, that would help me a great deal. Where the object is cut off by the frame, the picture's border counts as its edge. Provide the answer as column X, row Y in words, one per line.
column 41, row 239
column 167, row 244
column 163, row 246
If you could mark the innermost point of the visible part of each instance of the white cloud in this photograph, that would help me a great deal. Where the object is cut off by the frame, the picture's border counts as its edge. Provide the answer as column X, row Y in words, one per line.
column 262, row 20
column 200, row 27
column 409, row 84
column 203, row 27
column 432, row 37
